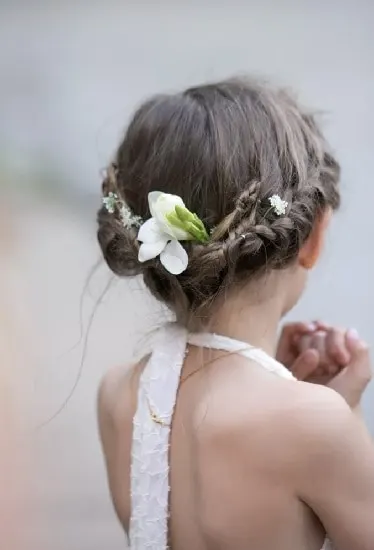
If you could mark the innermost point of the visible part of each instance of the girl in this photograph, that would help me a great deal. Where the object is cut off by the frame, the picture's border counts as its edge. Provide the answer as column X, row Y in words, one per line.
column 219, row 197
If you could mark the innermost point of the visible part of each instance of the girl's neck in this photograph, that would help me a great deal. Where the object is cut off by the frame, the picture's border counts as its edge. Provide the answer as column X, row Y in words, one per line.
column 255, row 323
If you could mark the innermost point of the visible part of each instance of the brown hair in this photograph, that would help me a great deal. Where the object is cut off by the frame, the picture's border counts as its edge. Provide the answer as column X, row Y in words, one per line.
column 225, row 148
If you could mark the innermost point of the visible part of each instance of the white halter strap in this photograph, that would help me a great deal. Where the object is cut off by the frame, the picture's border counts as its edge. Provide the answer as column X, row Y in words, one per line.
column 157, row 393
column 215, row 341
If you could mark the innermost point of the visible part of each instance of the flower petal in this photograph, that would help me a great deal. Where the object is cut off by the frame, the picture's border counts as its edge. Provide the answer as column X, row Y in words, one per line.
column 162, row 204
column 153, row 196
column 151, row 232
column 174, row 258
column 176, row 232
column 148, row 251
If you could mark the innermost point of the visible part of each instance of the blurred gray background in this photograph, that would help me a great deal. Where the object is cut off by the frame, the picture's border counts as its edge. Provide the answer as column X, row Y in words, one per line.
column 71, row 73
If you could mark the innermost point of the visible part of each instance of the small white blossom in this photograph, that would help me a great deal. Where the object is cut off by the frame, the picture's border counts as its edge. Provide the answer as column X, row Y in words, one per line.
column 110, row 202
column 129, row 219
column 278, row 204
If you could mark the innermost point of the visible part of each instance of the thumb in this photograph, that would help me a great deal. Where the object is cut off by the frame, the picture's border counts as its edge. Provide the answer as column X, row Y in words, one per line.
column 305, row 365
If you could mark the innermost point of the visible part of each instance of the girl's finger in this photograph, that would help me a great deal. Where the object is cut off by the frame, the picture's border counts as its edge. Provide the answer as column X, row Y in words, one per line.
column 322, row 325
column 305, row 364
column 318, row 342
column 336, row 349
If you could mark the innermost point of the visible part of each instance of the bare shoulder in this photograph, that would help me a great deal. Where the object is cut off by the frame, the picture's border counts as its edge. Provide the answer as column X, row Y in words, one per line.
column 325, row 429
column 312, row 415
column 290, row 405
column 116, row 404
column 111, row 386
column 274, row 417
column 117, row 395
column 113, row 382
column 321, row 397
column 318, row 414
column 311, row 432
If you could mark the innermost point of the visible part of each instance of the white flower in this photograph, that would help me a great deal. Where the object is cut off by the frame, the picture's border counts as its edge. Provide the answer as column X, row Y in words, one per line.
column 170, row 223
column 278, row 204
column 162, row 204
column 110, row 202
column 128, row 218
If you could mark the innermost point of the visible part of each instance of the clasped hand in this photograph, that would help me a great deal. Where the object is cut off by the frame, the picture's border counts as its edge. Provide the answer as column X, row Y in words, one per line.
column 322, row 354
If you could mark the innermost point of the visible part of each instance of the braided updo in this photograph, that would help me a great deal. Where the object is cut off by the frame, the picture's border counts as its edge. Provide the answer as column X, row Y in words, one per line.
column 225, row 148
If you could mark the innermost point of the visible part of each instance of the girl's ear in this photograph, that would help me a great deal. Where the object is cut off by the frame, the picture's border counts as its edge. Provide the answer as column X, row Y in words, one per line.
column 312, row 248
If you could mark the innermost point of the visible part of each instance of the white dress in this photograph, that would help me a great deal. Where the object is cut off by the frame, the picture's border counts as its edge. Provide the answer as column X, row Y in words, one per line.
column 151, row 430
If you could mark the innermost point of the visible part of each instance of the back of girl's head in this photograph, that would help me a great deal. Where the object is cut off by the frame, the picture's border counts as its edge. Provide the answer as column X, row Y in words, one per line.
column 225, row 149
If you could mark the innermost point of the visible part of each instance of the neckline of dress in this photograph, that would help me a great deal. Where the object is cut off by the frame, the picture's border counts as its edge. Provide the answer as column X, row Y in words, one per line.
column 226, row 343
column 214, row 340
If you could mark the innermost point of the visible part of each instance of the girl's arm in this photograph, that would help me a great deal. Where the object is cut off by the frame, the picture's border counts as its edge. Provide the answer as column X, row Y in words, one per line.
column 336, row 474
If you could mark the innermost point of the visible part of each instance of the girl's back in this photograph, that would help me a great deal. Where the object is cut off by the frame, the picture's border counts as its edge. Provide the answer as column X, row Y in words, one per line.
column 238, row 435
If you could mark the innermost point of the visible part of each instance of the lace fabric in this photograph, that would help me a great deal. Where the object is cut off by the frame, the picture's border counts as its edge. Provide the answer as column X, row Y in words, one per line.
column 157, row 395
